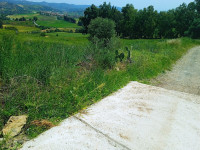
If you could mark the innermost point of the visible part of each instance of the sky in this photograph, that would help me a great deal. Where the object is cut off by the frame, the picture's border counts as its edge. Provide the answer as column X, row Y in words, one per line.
column 138, row 4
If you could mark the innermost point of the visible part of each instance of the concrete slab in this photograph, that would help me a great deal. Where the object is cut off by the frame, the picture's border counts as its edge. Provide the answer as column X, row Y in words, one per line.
column 138, row 116
column 72, row 134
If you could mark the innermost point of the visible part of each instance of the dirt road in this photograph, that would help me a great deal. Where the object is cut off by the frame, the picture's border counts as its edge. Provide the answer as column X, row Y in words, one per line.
column 184, row 76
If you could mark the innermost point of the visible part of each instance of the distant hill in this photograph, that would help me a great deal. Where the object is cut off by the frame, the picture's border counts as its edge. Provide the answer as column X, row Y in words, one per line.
column 70, row 9
column 10, row 7
column 64, row 7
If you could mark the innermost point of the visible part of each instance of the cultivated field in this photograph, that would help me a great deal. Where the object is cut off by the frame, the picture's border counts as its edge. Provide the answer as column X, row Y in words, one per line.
column 47, row 21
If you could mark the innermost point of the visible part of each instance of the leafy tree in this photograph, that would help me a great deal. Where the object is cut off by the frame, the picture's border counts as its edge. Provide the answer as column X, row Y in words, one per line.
column 35, row 18
column 117, row 17
column 166, row 24
column 146, row 23
column 197, row 2
column 194, row 30
column 151, row 22
column 89, row 14
column 111, row 12
column 101, row 28
column 1, row 24
column 182, row 20
column 22, row 19
column 129, row 15
column 191, row 12
column 105, row 10
column 69, row 19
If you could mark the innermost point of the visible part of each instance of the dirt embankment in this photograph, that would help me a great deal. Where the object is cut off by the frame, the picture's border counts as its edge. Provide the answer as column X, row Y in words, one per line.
column 185, row 74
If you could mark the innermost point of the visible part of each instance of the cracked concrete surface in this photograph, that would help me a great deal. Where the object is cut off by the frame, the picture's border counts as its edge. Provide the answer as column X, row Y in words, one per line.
column 138, row 117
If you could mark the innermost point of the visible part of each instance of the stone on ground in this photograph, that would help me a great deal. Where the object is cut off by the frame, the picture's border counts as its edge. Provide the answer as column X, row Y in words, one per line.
column 14, row 125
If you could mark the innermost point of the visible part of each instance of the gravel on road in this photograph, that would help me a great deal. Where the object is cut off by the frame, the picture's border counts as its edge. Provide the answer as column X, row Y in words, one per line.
column 185, row 74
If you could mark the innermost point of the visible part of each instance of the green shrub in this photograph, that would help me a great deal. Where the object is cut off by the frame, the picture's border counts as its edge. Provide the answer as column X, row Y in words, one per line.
column 102, row 29
column 43, row 34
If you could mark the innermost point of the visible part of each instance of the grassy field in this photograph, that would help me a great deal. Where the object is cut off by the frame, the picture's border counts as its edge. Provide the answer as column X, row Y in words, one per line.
column 19, row 23
column 54, row 77
column 23, row 28
column 51, row 21
column 47, row 21
column 27, row 16
column 58, row 38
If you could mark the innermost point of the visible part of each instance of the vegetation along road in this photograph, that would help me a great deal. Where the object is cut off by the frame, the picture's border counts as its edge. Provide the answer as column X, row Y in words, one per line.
column 185, row 75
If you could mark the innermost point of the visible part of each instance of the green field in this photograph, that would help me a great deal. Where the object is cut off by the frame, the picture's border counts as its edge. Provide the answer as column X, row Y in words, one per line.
column 27, row 16
column 47, row 21
column 58, row 37
column 23, row 28
column 53, row 77
column 51, row 21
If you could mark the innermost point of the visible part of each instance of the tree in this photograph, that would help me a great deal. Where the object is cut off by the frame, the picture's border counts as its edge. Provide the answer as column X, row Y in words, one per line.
column 1, row 24
column 129, row 15
column 166, row 24
column 89, row 14
column 69, row 19
column 101, row 28
column 182, row 20
column 111, row 12
column 194, row 30
column 35, row 18
column 105, row 10
column 22, row 19
column 151, row 22
column 197, row 2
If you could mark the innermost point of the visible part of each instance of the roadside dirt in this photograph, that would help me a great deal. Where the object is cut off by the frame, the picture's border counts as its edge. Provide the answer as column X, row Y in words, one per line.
column 184, row 76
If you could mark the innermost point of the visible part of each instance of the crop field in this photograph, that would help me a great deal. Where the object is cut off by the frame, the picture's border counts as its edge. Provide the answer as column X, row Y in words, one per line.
column 23, row 28
column 19, row 23
column 51, row 21
column 27, row 16
column 47, row 21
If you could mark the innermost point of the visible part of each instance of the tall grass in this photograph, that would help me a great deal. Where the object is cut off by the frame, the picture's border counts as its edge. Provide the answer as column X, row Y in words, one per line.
column 53, row 81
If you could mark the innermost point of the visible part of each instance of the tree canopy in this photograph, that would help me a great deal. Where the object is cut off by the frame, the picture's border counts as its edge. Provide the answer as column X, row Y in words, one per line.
column 146, row 23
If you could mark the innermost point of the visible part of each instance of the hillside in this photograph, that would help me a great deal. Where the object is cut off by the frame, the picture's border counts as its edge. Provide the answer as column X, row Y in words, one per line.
column 77, row 9
column 8, row 8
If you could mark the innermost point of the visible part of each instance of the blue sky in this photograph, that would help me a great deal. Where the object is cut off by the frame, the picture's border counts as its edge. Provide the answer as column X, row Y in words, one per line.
column 138, row 4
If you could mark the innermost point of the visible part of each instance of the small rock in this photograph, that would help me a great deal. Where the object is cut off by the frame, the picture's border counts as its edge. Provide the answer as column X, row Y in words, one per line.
column 14, row 125
column 117, row 68
column 20, row 141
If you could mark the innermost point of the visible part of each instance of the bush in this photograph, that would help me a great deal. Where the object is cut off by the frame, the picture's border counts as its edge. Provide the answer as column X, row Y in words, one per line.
column 42, row 34
column 104, row 57
column 102, row 29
